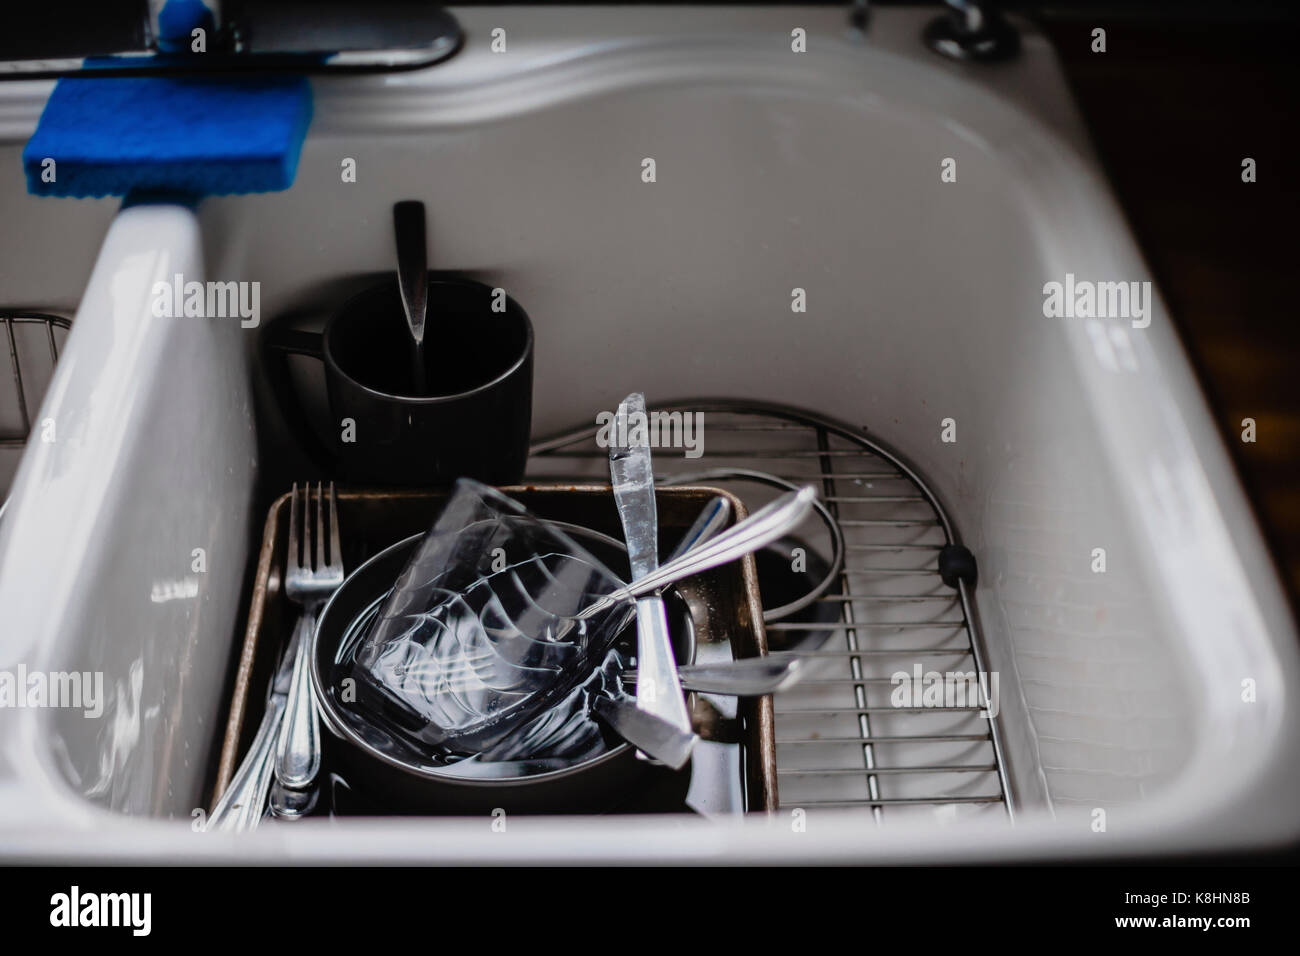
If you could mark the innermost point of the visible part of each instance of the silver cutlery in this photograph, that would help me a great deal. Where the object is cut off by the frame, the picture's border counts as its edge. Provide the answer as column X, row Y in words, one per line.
column 243, row 801
column 712, row 519
column 764, row 526
column 659, row 693
column 746, row 677
column 290, row 727
column 649, row 734
column 309, row 584
column 836, row 565
column 289, row 804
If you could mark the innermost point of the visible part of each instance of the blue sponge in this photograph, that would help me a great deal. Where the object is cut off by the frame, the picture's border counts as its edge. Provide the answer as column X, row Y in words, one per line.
column 208, row 136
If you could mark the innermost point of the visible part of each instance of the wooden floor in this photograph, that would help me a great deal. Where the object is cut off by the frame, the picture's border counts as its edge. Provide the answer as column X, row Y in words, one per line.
column 1173, row 110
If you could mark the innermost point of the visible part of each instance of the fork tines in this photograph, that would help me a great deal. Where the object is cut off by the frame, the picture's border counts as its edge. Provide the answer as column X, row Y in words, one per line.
column 301, row 558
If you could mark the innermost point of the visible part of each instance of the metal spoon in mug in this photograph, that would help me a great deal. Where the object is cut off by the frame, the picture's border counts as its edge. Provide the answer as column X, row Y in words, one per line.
column 413, row 279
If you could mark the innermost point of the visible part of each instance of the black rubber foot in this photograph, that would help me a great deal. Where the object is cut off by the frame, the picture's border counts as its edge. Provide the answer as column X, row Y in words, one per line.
column 956, row 563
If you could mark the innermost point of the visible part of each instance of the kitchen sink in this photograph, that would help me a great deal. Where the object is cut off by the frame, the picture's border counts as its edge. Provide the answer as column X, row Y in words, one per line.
column 798, row 253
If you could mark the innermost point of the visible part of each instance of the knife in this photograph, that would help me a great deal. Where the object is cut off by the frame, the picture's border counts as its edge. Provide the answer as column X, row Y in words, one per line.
column 647, row 733
column 658, row 692
column 244, row 801
column 745, row 677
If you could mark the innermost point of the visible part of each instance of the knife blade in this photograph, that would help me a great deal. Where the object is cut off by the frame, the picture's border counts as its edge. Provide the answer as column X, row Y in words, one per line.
column 659, row 691
column 655, row 737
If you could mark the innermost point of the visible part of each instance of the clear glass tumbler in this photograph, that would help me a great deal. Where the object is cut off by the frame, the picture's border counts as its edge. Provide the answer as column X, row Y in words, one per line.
column 489, row 624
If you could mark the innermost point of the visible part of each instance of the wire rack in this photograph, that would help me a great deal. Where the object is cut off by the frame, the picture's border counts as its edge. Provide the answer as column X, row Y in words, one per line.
column 33, row 342
column 851, row 734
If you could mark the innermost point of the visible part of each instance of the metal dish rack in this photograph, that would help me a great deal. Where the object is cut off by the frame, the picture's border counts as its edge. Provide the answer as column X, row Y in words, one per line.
column 32, row 340
column 27, row 395
column 842, row 738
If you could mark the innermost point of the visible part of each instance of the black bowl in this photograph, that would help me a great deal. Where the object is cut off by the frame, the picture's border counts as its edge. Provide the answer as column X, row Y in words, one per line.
column 399, row 778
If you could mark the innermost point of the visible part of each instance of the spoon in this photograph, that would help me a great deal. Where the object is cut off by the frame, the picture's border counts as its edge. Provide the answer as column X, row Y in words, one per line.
column 289, row 804
column 413, row 279
column 651, row 735
column 745, row 677
column 712, row 519
column 762, row 527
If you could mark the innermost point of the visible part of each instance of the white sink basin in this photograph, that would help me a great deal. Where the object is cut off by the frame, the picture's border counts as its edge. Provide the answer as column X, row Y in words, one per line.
column 1154, row 696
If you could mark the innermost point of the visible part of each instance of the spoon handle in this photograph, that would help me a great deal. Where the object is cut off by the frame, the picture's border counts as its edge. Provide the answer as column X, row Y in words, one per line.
column 762, row 527
column 745, row 677
column 711, row 520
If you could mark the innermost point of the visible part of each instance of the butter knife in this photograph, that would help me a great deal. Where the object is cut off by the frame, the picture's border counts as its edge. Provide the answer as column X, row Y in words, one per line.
column 658, row 692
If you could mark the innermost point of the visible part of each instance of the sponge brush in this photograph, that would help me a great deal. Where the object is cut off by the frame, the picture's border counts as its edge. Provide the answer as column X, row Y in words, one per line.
column 207, row 136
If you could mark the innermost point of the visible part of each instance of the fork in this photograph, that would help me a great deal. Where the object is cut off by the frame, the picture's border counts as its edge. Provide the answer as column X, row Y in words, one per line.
column 243, row 801
column 297, row 759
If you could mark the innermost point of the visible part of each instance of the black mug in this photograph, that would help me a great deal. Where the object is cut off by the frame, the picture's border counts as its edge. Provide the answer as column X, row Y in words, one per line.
column 474, row 420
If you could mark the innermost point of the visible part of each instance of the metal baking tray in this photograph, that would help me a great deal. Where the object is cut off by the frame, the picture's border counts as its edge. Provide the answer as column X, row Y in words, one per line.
column 724, row 603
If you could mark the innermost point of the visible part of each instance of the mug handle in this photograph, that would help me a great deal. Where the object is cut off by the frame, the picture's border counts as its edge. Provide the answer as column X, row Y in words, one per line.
column 278, row 343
